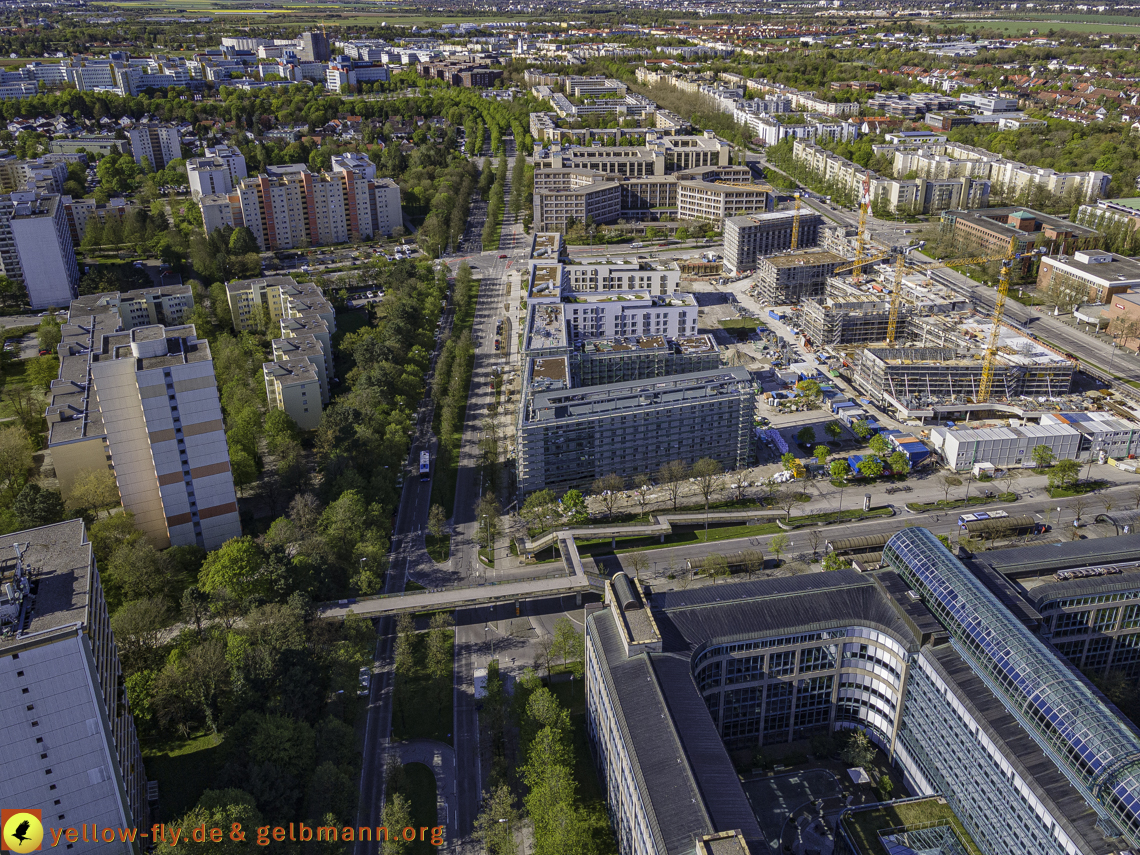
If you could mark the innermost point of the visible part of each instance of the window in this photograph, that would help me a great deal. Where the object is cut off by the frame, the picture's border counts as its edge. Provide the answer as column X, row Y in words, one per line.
column 782, row 664
column 743, row 670
column 1074, row 623
column 817, row 658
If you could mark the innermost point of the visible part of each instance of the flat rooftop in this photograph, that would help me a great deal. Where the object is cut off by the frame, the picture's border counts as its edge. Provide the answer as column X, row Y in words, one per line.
column 1106, row 267
column 57, row 559
column 1013, row 347
column 546, row 327
column 549, row 373
column 545, row 279
column 808, row 258
column 291, row 372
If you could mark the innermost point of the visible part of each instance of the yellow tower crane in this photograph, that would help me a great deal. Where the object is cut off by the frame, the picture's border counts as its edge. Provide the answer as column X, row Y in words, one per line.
column 986, row 384
column 796, row 225
column 901, row 266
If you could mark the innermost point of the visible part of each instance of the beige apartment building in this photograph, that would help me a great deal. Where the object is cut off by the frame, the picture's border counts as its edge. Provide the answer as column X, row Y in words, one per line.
column 292, row 386
column 599, row 201
column 143, row 402
column 713, row 202
column 276, row 298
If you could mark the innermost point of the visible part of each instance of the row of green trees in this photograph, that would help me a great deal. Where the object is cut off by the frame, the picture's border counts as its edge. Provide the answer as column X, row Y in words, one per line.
column 450, row 384
column 495, row 202
column 540, row 764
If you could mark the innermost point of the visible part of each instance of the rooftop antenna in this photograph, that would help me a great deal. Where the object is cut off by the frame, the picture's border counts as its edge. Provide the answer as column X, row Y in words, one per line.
column 20, row 549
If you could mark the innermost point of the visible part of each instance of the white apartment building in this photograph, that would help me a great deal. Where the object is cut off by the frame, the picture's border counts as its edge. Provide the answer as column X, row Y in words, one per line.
column 159, row 144
column 36, row 249
column 953, row 160
column 620, row 277
column 208, row 176
column 232, row 158
column 610, row 313
column 169, row 305
column 144, row 403
column 218, row 211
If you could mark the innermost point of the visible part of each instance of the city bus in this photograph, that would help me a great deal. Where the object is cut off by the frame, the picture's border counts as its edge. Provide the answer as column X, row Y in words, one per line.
column 425, row 466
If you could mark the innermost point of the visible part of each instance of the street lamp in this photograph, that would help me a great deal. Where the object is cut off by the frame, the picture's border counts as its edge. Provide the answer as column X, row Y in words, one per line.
column 489, row 639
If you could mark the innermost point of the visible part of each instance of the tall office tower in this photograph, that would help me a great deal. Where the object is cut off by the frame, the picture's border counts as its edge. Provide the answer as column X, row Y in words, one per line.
column 36, row 248
column 160, row 144
column 145, row 402
column 70, row 746
column 313, row 47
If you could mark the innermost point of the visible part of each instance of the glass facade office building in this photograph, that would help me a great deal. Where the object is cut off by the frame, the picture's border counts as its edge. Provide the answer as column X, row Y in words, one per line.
column 1097, row 751
column 957, row 690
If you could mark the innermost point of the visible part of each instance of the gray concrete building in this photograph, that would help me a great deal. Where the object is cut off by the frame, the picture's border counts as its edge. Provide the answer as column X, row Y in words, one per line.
column 795, row 276
column 70, row 746
column 748, row 239
column 570, row 436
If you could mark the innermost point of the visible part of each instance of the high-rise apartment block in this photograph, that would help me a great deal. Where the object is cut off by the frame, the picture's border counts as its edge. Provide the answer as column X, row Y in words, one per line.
column 232, row 158
column 36, row 247
column 313, row 47
column 70, row 745
column 142, row 401
column 159, row 144
column 208, row 176
column 289, row 206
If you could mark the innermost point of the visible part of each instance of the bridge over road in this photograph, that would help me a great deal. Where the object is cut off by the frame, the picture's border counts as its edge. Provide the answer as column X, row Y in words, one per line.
column 573, row 581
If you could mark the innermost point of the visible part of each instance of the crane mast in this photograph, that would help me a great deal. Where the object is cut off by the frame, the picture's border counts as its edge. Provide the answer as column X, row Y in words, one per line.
column 796, row 225
column 861, row 236
column 988, row 361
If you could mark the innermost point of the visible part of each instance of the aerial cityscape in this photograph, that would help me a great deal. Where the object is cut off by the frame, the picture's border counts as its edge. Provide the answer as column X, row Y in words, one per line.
column 567, row 428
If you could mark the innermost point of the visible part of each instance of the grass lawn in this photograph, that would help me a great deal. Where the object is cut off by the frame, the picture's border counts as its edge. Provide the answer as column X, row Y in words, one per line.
column 864, row 826
column 419, row 789
column 439, row 548
column 828, row 516
column 740, row 323
column 183, row 769
column 589, row 791
column 1081, row 488
column 444, row 477
column 422, row 704
column 952, row 504
column 13, row 381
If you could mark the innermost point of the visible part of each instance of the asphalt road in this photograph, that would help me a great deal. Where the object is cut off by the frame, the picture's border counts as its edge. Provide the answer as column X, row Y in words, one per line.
column 407, row 547
column 1037, row 504
column 1043, row 326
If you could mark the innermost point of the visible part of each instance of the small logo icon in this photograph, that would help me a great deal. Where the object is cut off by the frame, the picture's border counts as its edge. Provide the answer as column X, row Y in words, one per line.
column 21, row 830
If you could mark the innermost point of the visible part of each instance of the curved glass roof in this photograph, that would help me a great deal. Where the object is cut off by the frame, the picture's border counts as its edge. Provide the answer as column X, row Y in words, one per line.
column 1068, row 717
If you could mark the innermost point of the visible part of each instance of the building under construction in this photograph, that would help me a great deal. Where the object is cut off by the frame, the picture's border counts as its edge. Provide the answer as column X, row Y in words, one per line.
column 928, row 381
column 860, row 314
column 794, row 277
